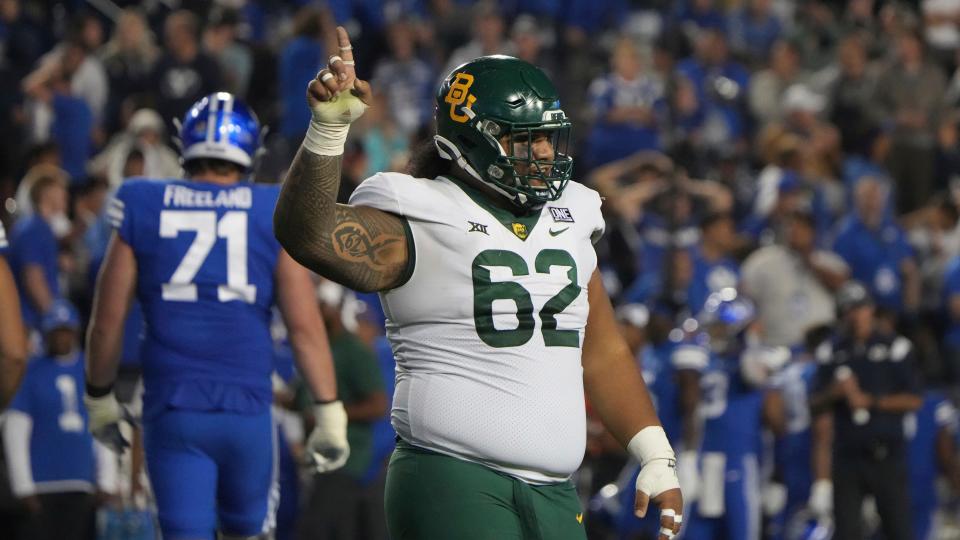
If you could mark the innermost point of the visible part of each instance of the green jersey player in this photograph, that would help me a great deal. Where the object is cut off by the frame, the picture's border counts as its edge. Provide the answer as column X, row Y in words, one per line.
column 483, row 256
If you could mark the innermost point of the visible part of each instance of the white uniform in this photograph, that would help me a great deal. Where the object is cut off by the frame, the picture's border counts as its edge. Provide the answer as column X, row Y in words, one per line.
column 488, row 330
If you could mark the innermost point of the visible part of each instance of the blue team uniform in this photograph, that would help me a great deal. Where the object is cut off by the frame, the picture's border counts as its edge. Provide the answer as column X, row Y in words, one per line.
column 792, row 451
column 709, row 277
column 732, row 412
column 61, row 447
column 206, row 257
column 922, row 431
column 659, row 364
column 875, row 257
column 32, row 242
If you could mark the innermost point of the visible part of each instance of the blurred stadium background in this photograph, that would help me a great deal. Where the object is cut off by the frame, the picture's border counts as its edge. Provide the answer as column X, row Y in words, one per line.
column 709, row 126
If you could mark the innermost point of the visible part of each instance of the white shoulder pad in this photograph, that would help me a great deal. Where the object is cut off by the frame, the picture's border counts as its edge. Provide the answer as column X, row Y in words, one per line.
column 690, row 357
column 587, row 203
column 401, row 194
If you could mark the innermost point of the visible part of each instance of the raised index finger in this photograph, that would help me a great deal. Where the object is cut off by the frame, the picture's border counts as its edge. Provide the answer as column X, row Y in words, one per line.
column 345, row 49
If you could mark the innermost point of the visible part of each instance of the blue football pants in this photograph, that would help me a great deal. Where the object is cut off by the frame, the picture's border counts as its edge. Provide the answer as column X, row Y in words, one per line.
column 212, row 471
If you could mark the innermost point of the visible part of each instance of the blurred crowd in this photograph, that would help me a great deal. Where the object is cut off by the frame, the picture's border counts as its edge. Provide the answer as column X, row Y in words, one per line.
column 778, row 147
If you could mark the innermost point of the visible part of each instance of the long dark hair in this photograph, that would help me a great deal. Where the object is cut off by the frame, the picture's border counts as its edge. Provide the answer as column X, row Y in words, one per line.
column 425, row 161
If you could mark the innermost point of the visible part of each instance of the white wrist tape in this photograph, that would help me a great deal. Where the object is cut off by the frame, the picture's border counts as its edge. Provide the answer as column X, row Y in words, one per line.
column 649, row 444
column 326, row 139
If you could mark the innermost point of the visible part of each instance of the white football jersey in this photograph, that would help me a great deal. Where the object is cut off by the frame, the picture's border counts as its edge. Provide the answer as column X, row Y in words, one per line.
column 487, row 332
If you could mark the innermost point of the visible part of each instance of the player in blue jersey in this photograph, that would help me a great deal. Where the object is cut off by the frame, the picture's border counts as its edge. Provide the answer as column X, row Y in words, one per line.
column 200, row 256
column 736, row 404
column 932, row 450
column 792, row 459
column 670, row 366
column 50, row 454
column 13, row 342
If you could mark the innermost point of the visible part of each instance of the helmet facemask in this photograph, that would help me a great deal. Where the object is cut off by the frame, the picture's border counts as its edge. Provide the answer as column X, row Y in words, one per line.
column 529, row 180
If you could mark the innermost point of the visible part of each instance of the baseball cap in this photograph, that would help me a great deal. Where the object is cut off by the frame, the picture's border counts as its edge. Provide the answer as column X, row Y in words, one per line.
column 60, row 315
column 852, row 295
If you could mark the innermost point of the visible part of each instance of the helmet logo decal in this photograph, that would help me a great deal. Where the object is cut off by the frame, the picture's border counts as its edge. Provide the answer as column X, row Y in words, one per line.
column 458, row 95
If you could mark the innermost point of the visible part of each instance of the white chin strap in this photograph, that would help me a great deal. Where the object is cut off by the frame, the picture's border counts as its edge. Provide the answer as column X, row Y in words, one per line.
column 450, row 152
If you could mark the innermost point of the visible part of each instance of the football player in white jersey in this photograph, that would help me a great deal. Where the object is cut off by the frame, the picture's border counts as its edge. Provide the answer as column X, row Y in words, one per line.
column 483, row 256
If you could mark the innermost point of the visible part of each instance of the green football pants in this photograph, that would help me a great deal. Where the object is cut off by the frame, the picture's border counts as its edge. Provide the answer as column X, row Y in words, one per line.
column 430, row 496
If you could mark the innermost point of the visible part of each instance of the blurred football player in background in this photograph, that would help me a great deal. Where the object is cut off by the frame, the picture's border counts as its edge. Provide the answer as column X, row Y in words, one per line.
column 736, row 404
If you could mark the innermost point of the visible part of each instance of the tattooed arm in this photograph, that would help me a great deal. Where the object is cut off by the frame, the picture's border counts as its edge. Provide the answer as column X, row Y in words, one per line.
column 359, row 247
column 362, row 248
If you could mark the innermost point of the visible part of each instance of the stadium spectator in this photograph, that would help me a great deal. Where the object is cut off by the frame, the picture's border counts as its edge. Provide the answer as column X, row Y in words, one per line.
column 220, row 41
column 721, row 86
column 753, row 29
column 488, row 31
column 406, row 80
column 909, row 98
column 849, row 96
column 876, row 249
column 183, row 73
column 624, row 106
column 34, row 249
column 714, row 267
column 300, row 59
column 145, row 133
column 791, row 283
column 768, row 86
column 128, row 58
column 55, row 467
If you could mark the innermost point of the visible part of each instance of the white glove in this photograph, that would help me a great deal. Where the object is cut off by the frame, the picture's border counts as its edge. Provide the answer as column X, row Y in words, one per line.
column 658, row 464
column 821, row 498
column 327, row 447
column 105, row 414
column 688, row 472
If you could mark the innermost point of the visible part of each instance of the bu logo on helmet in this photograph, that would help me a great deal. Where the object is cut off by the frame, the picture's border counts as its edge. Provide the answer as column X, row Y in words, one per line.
column 458, row 95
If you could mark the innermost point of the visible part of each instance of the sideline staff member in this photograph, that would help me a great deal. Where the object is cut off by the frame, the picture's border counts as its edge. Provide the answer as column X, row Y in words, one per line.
column 867, row 381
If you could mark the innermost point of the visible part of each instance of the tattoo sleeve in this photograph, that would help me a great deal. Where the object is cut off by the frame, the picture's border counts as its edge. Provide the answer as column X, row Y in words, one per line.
column 359, row 247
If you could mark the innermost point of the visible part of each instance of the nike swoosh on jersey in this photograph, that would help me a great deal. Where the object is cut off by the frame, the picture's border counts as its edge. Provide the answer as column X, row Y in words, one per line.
column 555, row 233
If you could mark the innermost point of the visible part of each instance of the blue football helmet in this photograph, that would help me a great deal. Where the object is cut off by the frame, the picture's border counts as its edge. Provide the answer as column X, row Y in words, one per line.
column 725, row 315
column 220, row 126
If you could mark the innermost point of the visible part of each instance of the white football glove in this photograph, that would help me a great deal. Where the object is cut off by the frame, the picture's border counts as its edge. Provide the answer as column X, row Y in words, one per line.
column 688, row 473
column 105, row 414
column 327, row 447
column 821, row 498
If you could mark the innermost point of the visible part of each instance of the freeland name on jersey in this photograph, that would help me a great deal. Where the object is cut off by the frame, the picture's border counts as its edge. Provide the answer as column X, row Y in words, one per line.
column 182, row 196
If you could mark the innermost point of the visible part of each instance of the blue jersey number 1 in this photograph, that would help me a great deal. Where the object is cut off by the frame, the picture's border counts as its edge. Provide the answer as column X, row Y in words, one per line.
column 233, row 227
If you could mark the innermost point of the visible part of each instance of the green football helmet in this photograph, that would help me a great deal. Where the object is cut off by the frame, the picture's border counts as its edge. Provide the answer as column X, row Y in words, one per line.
column 493, row 97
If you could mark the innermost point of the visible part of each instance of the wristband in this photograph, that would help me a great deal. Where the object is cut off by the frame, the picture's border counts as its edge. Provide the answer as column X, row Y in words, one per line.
column 98, row 391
